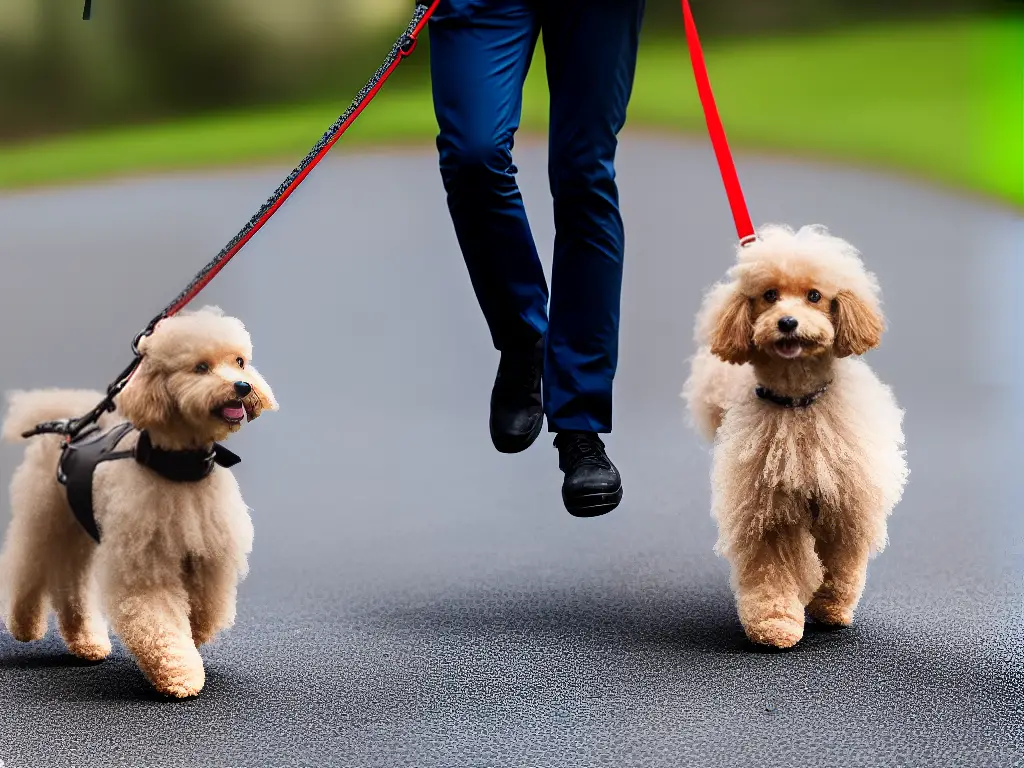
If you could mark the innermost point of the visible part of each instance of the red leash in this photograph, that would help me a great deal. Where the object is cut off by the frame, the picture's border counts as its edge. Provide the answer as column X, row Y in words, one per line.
column 399, row 52
column 405, row 46
column 730, row 178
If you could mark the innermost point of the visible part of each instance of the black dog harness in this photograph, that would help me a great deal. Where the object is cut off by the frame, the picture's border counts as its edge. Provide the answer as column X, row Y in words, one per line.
column 790, row 402
column 81, row 455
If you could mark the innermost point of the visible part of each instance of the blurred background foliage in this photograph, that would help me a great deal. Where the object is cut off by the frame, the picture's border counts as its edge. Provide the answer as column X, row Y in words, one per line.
column 150, row 59
column 791, row 74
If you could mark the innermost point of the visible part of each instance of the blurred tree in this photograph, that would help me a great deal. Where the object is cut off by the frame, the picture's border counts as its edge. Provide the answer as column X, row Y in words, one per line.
column 144, row 59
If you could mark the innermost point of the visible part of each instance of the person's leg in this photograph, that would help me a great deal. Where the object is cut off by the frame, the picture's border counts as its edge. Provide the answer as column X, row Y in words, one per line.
column 480, row 54
column 591, row 48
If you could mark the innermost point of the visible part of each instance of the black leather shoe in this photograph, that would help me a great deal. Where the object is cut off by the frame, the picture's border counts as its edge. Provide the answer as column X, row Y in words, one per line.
column 516, row 412
column 592, row 484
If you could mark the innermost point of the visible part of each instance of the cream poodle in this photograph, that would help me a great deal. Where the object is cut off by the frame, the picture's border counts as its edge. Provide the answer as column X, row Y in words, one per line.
column 808, row 456
column 174, row 532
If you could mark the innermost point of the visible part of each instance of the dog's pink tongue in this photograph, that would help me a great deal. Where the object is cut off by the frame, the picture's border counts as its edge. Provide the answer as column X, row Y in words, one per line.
column 233, row 412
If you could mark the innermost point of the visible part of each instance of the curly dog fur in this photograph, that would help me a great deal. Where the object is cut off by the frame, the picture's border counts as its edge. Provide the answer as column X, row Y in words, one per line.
column 800, row 495
column 166, row 572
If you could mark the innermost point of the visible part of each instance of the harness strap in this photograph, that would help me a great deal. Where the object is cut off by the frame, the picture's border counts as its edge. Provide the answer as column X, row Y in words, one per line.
column 402, row 48
column 77, row 466
column 80, row 456
column 733, row 190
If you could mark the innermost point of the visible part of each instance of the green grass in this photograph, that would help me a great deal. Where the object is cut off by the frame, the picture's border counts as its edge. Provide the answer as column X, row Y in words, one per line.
column 942, row 100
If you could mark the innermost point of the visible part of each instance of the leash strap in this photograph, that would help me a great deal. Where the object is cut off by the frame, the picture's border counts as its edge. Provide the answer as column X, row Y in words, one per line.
column 730, row 178
column 402, row 48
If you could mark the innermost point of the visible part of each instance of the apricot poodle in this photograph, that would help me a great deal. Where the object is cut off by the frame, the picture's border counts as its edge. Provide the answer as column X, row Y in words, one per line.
column 808, row 458
column 172, row 547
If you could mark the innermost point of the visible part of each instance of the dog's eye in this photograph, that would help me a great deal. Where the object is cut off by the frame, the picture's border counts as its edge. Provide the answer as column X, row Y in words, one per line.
column 813, row 296
column 202, row 368
column 771, row 296
column 240, row 361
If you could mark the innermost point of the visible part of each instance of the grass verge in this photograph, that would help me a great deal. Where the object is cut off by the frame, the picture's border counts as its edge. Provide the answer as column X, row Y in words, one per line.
column 943, row 100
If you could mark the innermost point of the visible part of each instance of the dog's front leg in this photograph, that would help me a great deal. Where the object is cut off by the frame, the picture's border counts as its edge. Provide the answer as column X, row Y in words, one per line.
column 212, row 587
column 149, row 612
column 846, row 569
column 774, row 577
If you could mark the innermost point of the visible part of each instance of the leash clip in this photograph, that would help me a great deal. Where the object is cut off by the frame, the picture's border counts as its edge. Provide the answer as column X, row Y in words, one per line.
column 147, row 331
column 406, row 45
column 60, row 427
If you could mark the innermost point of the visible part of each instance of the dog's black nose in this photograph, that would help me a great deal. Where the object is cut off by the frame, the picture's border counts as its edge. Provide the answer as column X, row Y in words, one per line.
column 788, row 324
column 242, row 388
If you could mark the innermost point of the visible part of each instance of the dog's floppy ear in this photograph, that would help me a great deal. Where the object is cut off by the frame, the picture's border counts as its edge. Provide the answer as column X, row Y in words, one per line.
column 145, row 401
column 730, row 324
column 859, row 324
column 262, row 396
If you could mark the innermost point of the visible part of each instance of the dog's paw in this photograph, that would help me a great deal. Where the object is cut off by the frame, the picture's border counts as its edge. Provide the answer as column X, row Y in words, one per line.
column 180, row 682
column 27, row 629
column 89, row 648
column 179, row 676
column 202, row 636
column 181, row 690
column 831, row 613
column 776, row 631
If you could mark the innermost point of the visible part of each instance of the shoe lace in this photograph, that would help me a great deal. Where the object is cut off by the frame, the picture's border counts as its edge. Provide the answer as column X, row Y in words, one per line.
column 583, row 449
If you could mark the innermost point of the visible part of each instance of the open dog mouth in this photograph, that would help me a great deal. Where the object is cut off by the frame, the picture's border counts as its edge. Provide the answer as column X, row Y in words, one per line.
column 789, row 348
column 232, row 412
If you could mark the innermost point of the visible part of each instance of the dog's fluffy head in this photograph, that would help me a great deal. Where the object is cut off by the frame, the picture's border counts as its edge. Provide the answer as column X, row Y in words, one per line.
column 793, row 295
column 196, row 383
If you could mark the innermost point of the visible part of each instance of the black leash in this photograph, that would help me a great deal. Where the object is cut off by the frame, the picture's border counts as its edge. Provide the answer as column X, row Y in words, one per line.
column 402, row 48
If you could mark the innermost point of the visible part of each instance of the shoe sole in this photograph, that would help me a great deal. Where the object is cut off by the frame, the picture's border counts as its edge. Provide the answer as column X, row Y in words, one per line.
column 593, row 504
column 507, row 445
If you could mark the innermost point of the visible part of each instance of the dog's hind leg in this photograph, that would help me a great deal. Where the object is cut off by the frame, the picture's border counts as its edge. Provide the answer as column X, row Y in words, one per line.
column 774, row 578
column 26, row 611
column 846, row 569
column 73, row 593
column 30, row 550
column 212, row 586
column 24, row 571
column 149, row 612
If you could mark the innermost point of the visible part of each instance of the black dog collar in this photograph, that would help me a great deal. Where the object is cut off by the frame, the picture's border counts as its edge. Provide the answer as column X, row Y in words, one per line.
column 790, row 402
column 182, row 466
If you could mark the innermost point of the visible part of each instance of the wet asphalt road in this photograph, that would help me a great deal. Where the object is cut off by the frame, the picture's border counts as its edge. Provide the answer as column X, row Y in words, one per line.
column 417, row 599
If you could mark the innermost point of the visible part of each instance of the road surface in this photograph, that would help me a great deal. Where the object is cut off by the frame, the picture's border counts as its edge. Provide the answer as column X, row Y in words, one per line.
column 417, row 599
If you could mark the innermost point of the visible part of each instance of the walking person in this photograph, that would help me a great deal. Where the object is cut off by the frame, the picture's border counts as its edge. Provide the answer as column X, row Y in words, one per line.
column 481, row 51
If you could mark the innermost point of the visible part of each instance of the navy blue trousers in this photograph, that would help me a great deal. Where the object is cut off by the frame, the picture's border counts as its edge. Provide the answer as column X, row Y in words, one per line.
column 480, row 54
